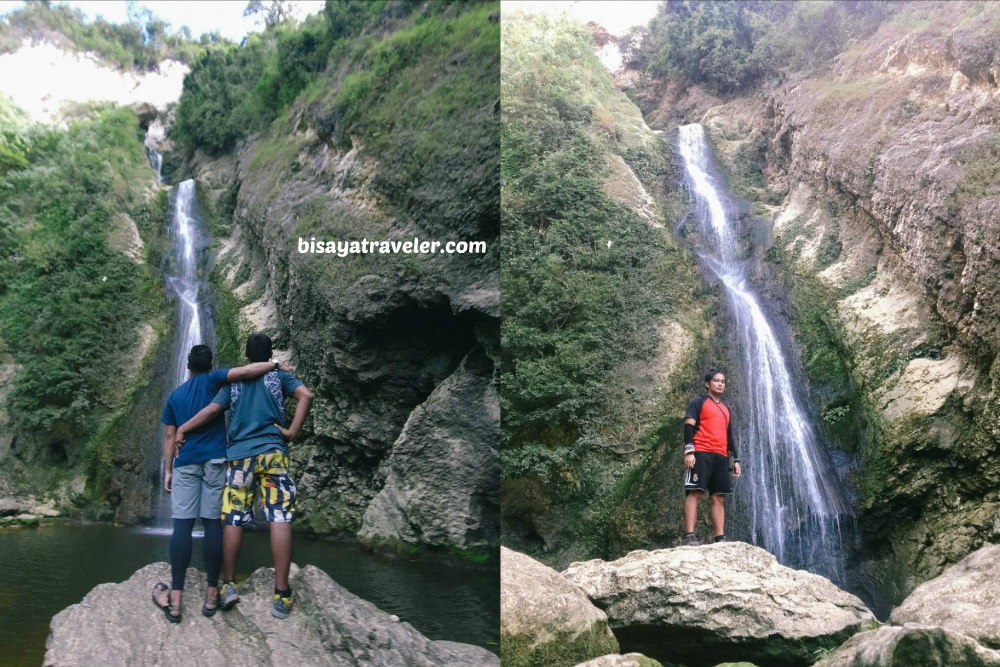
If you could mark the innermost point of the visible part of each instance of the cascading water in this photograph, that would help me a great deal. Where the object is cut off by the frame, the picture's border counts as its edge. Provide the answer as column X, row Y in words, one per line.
column 792, row 495
column 156, row 162
column 183, row 282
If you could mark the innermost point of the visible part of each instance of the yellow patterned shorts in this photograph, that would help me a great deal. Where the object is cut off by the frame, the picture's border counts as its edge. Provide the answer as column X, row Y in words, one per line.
column 266, row 472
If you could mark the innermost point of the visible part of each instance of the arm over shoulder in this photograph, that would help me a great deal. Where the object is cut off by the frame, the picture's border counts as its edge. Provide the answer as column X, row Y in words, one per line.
column 223, row 397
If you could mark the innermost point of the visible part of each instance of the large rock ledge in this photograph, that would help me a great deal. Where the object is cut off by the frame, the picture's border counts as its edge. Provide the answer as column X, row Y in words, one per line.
column 117, row 625
column 717, row 603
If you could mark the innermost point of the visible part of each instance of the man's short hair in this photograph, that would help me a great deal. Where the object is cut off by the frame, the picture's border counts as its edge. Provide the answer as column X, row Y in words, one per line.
column 200, row 358
column 258, row 347
column 712, row 372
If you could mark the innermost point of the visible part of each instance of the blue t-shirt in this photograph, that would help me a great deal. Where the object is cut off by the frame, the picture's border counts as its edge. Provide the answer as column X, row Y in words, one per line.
column 257, row 405
column 209, row 441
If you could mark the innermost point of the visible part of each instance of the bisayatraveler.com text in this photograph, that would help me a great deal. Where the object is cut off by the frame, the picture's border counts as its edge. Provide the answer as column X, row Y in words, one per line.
column 394, row 246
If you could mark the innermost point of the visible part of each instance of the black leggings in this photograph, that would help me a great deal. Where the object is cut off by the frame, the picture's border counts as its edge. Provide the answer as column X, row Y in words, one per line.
column 180, row 550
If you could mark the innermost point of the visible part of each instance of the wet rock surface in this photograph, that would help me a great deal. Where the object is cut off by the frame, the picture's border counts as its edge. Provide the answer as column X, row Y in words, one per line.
column 117, row 625
column 717, row 603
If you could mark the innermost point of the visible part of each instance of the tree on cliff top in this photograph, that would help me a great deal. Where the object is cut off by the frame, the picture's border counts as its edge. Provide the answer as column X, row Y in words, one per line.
column 732, row 45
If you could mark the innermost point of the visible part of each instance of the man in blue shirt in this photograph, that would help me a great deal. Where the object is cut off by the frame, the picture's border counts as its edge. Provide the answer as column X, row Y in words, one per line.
column 258, row 461
column 196, row 477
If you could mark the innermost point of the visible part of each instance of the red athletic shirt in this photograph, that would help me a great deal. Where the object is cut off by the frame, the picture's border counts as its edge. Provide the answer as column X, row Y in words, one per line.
column 712, row 434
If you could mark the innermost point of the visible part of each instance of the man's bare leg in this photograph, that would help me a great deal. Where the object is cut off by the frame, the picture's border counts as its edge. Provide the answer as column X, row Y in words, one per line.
column 691, row 510
column 719, row 514
column 232, row 542
column 281, row 552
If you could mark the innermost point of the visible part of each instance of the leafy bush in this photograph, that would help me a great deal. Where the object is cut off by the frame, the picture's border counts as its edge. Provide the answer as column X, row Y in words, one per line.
column 732, row 45
column 584, row 278
column 233, row 91
column 70, row 304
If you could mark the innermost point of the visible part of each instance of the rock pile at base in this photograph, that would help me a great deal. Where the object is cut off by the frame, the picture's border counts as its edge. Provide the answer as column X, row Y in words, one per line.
column 117, row 625
column 701, row 606
column 24, row 512
column 544, row 619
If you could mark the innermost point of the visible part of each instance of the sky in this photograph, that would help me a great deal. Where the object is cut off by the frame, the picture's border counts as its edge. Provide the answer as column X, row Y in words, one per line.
column 616, row 17
column 199, row 15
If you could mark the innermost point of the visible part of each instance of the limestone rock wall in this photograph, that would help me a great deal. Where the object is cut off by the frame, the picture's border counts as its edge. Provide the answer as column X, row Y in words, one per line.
column 401, row 351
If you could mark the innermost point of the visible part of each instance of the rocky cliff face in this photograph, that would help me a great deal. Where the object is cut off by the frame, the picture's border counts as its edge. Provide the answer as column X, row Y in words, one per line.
column 400, row 350
column 876, row 184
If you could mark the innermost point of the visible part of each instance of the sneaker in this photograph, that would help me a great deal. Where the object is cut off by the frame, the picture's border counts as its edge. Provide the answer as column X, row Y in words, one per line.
column 691, row 540
column 228, row 595
column 721, row 538
column 282, row 606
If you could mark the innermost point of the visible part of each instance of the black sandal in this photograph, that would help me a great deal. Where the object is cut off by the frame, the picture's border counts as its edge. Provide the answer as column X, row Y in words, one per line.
column 167, row 608
column 210, row 611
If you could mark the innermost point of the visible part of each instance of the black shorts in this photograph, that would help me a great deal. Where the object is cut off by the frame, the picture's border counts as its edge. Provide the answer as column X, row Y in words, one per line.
column 710, row 473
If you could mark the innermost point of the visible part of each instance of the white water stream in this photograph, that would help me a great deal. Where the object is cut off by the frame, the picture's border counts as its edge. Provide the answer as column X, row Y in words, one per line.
column 183, row 282
column 793, row 496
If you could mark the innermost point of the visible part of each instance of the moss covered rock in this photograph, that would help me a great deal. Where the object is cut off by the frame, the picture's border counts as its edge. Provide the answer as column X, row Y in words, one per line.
column 545, row 619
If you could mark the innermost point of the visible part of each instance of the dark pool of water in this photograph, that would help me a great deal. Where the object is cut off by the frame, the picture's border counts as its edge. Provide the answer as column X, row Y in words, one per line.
column 44, row 570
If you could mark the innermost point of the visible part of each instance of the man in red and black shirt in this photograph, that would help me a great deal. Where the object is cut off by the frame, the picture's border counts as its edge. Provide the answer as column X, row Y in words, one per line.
column 708, row 443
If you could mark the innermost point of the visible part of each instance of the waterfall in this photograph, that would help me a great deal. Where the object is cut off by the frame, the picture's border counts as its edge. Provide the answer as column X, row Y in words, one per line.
column 791, row 493
column 183, row 283
column 156, row 162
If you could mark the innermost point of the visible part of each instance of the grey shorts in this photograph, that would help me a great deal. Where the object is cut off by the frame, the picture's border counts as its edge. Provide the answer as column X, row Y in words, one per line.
column 196, row 490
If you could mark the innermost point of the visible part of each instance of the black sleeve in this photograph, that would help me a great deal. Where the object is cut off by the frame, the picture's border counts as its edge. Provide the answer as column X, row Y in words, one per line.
column 731, row 442
column 693, row 412
column 694, row 409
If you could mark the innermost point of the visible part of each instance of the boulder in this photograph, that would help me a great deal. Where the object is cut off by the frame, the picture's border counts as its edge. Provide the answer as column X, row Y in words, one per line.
column 723, row 602
column 117, row 625
column 9, row 507
column 441, row 487
column 912, row 645
column 619, row 660
column 544, row 619
column 965, row 598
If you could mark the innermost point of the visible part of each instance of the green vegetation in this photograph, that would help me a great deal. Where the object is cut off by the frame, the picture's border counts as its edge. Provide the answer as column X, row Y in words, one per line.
column 979, row 174
column 586, row 284
column 229, row 332
column 829, row 249
column 70, row 304
column 733, row 45
column 143, row 42
column 393, row 95
column 563, row 650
